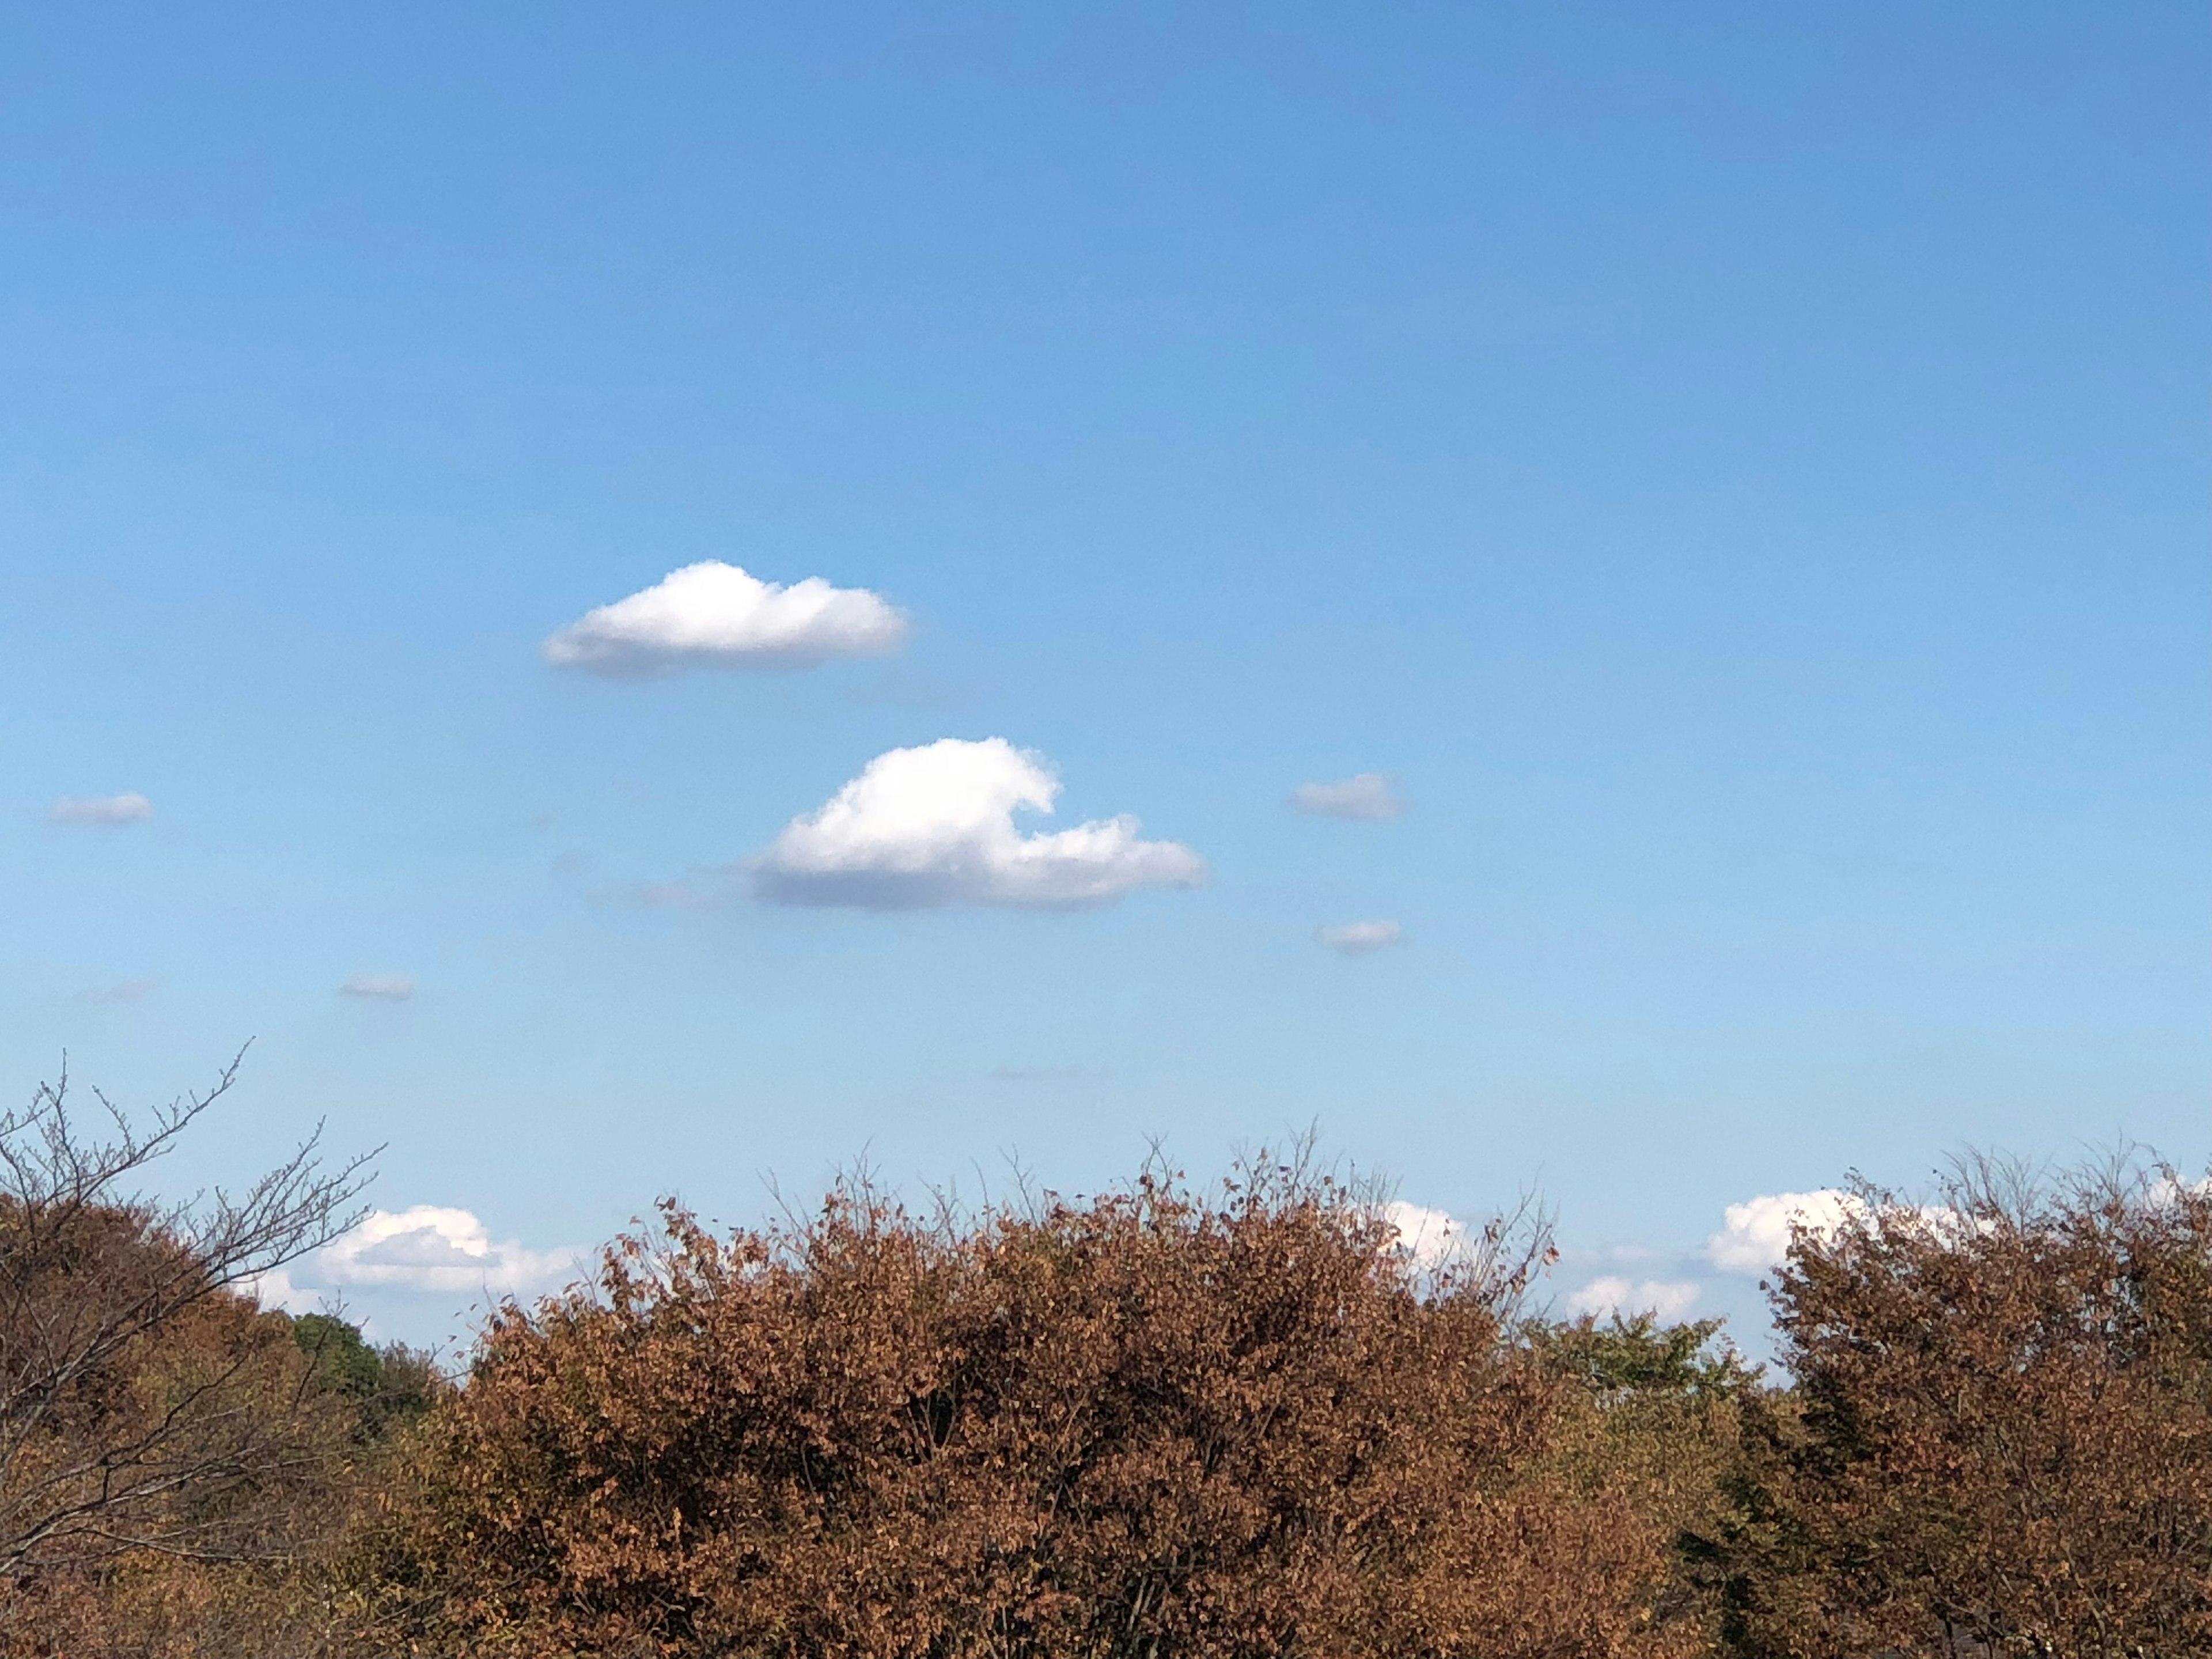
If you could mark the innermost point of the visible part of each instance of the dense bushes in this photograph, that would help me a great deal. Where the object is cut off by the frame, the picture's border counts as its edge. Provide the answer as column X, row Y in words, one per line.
column 1145, row 1425
column 2001, row 1430
column 1152, row 1424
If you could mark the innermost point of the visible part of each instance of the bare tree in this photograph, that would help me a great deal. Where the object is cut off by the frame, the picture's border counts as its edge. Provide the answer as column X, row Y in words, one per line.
column 142, row 1395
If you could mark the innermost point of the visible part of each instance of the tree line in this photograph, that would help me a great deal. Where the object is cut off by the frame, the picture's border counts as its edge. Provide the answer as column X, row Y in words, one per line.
column 1160, row 1422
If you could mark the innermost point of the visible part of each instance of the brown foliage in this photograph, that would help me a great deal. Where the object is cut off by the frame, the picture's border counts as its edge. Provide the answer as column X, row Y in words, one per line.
column 1657, row 1417
column 239, row 1466
column 136, row 1388
column 2001, row 1438
column 1145, row 1424
column 150, row 1412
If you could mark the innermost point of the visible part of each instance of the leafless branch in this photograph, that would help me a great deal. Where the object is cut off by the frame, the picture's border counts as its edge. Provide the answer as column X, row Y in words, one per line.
column 99, row 1278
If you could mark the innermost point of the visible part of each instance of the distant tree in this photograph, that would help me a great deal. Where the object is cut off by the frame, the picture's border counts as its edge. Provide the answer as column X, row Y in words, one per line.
column 341, row 1358
column 1663, row 1425
column 143, row 1395
column 386, row 1386
column 1638, row 1359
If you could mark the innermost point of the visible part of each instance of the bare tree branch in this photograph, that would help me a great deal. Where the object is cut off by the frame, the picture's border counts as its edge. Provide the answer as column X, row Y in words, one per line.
column 109, row 1415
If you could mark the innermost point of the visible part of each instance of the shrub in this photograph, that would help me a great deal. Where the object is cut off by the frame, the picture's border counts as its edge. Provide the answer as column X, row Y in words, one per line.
column 1145, row 1424
column 2001, row 1438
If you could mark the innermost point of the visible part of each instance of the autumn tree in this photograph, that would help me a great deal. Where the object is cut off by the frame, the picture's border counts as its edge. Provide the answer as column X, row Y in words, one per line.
column 143, row 1395
column 1150, row 1424
column 2000, row 1439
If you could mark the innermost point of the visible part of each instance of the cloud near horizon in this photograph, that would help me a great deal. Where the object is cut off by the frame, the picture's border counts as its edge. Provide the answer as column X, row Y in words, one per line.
column 1368, row 798
column 1359, row 938
column 1613, row 1296
column 935, row 825
column 1755, row 1237
column 380, row 1267
column 1429, row 1238
column 428, row 1247
column 718, row 615
column 131, row 807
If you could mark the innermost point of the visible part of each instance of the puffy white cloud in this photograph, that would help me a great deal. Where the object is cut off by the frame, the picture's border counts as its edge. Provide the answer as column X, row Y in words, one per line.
column 935, row 825
column 130, row 808
column 1370, row 796
column 379, row 987
column 1755, row 1238
column 718, row 615
column 1429, row 1238
column 1357, row 938
column 1613, row 1296
column 1755, row 1235
column 430, row 1248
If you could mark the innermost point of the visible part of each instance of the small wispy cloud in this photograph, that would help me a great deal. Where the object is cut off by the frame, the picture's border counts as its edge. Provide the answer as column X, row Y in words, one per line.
column 1368, row 796
column 935, row 825
column 1617, row 1297
column 716, row 615
column 128, row 990
column 379, row 987
column 88, row 810
column 1359, row 938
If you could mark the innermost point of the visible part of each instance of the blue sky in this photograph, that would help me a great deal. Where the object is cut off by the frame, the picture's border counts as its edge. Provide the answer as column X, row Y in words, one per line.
column 1743, row 470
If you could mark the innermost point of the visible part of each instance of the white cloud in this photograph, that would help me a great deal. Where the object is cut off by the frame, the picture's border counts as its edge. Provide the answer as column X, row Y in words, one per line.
column 1613, row 1296
column 2166, row 1193
column 1431, row 1237
column 718, row 615
column 275, row 1289
column 1357, row 938
column 379, row 987
column 1755, row 1235
column 130, row 808
column 1755, row 1238
column 429, row 1249
column 935, row 825
column 1370, row 796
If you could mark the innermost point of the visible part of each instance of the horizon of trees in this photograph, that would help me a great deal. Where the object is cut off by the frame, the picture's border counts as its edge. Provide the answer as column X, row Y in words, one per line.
column 1154, row 1422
